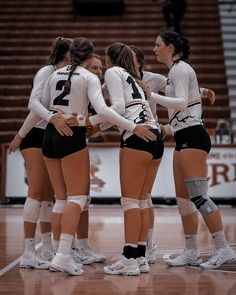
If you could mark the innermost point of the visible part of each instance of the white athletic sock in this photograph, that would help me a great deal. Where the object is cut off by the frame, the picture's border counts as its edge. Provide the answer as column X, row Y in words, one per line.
column 83, row 243
column 149, row 238
column 191, row 241
column 131, row 245
column 73, row 245
column 219, row 239
column 65, row 244
column 56, row 245
column 29, row 245
column 46, row 240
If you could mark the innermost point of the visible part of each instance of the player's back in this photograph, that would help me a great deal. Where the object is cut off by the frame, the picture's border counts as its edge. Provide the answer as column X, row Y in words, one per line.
column 84, row 87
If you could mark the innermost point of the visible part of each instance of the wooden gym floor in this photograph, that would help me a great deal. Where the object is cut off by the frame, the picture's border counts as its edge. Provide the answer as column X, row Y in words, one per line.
column 106, row 235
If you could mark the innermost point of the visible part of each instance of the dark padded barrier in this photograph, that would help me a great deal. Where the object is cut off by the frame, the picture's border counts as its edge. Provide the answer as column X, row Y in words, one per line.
column 99, row 7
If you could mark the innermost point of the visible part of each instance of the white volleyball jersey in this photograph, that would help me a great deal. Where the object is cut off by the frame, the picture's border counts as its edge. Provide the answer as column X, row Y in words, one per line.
column 127, row 98
column 85, row 88
column 37, row 90
column 156, row 83
column 182, row 97
column 33, row 120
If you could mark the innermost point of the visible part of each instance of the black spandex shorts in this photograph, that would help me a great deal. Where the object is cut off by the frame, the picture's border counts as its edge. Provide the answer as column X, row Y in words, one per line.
column 56, row 146
column 155, row 147
column 33, row 139
column 194, row 137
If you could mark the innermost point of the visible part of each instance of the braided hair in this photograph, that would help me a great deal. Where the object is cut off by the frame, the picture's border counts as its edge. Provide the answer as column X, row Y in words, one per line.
column 80, row 50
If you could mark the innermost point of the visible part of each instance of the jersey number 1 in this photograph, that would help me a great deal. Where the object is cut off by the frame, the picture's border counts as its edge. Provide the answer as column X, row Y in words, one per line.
column 136, row 94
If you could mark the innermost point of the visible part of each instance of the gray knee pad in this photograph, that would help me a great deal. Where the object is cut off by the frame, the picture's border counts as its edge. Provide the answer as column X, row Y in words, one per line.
column 197, row 190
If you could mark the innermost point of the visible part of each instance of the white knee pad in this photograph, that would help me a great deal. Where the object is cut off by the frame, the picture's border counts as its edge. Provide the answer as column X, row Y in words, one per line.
column 129, row 203
column 31, row 210
column 149, row 201
column 45, row 212
column 79, row 200
column 86, row 207
column 59, row 206
column 185, row 206
column 143, row 204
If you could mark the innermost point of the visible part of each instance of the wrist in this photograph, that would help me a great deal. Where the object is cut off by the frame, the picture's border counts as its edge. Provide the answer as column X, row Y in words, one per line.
column 81, row 120
column 20, row 135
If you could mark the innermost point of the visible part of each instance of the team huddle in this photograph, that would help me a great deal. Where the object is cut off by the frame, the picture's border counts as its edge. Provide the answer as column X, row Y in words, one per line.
column 53, row 143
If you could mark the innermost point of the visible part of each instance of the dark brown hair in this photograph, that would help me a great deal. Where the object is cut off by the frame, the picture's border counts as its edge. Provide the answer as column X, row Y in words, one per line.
column 59, row 49
column 139, row 56
column 80, row 50
column 120, row 55
column 181, row 44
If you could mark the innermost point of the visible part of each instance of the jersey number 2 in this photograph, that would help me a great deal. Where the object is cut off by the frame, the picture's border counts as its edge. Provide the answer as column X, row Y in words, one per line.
column 59, row 100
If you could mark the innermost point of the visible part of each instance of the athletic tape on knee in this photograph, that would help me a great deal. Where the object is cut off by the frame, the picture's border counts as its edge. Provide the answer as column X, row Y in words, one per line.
column 197, row 189
column 45, row 212
column 149, row 201
column 31, row 210
column 185, row 206
column 78, row 200
column 59, row 206
column 86, row 207
column 143, row 204
column 129, row 203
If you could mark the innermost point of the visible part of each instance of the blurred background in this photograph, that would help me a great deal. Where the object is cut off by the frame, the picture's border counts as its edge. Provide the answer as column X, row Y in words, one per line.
column 27, row 30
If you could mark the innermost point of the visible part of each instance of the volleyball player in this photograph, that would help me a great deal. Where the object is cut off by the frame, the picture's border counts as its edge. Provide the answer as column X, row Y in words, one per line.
column 38, row 204
column 190, row 157
column 84, row 251
column 156, row 83
column 136, row 156
column 69, row 90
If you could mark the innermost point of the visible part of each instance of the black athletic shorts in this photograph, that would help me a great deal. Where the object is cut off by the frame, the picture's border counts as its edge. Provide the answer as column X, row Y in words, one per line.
column 56, row 146
column 194, row 137
column 154, row 147
column 33, row 139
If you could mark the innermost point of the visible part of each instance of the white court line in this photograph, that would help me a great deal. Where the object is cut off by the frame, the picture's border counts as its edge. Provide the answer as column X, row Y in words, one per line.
column 15, row 262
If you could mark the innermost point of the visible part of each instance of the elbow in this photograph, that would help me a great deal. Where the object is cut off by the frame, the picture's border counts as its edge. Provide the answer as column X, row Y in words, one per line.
column 182, row 106
column 118, row 108
column 30, row 105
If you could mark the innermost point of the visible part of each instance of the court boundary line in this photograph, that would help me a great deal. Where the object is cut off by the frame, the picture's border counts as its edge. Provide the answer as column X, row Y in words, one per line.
column 9, row 266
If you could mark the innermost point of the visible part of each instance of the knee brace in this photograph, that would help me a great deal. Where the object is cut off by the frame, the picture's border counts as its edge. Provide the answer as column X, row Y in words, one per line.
column 78, row 200
column 197, row 189
column 143, row 204
column 59, row 206
column 86, row 207
column 31, row 210
column 45, row 211
column 185, row 206
column 129, row 203
column 149, row 201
